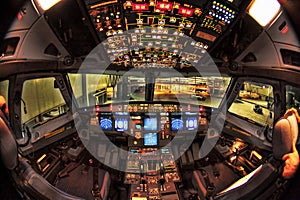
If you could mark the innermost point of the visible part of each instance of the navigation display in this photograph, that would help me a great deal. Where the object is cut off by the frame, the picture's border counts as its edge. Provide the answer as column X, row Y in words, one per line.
column 150, row 123
column 176, row 122
column 150, row 139
column 106, row 122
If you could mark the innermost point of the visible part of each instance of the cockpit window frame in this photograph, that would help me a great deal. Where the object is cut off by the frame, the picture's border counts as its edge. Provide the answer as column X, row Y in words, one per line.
column 16, row 94
column 238, row 83
column 260, row 135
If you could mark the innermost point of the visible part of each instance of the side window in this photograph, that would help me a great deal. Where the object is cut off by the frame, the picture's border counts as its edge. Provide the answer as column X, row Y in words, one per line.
column 255, row 103
column 41, row 101
column 292, row 95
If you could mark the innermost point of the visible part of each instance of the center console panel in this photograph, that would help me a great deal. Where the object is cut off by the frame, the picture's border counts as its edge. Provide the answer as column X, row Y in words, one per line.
column 152, row 174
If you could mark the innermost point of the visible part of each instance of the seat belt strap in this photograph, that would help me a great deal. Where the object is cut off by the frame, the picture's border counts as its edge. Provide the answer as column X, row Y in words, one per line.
column 96, row 190
column 210, row 188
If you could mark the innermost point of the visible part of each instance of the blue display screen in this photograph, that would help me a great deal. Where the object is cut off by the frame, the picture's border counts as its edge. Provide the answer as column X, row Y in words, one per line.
column 176, row 123
column 191, row 123
column 165, row 150
column 106, row 123
column 138, row 127
column 150, row 124
column 133, row 151
column 121, row 124
column 150, row 139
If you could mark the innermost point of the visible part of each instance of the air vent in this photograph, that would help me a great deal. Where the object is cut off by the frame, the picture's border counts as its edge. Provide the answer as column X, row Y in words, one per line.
column 250, row 57
column 290, row 57
column 9, row 46
column 51, row 50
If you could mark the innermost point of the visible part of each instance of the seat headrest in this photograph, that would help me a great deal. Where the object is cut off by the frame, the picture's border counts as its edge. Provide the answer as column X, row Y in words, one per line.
column 8, row 146
column 285, row 135
column 292, row 117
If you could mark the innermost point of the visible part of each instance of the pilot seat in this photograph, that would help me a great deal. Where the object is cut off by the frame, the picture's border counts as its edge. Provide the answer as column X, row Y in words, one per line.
column 260, row 183
column 37, row 186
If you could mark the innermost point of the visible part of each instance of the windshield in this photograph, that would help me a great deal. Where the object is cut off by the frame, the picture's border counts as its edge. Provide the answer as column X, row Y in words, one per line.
column 98, row 89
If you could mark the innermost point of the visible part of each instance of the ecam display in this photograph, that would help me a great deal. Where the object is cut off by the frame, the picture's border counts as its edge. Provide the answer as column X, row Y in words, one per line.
column 150, row 139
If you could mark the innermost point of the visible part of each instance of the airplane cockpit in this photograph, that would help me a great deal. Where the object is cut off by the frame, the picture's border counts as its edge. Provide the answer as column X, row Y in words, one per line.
column 150, row 99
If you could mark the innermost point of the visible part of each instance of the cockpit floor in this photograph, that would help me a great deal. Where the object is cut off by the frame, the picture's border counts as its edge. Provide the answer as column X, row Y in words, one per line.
column 79, row 182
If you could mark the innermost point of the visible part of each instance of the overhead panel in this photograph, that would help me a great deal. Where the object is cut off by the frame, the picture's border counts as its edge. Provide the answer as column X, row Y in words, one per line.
column 160, row 33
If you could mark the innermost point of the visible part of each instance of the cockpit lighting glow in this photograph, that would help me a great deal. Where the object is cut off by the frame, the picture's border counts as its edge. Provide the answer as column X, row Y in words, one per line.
column 47, row 4
column 264, row 11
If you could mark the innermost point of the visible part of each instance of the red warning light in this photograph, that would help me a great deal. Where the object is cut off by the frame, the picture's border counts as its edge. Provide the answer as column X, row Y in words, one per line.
column 201, row 108
column 140, row 7
column 20, row 16
column 187, row 12
column 164, row 6
column 97, row 108
column 285, row 30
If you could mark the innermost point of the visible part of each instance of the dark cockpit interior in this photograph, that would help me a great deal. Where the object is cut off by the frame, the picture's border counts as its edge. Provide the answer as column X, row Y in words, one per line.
column 149, row 99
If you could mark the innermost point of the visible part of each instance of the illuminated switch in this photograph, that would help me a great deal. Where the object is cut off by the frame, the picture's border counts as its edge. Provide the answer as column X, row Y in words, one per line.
column 173, row 20
column 161, row 22
column 139, row 21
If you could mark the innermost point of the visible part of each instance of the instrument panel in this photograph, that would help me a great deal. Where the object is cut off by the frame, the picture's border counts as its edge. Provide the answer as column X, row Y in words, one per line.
column 149, row 124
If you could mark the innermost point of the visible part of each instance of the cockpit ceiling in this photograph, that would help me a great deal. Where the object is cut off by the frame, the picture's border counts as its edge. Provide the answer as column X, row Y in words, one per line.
column 152, row 32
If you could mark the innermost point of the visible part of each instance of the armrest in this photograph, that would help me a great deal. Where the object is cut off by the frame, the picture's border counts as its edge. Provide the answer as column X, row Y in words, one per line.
column 253, row 185
column 241, row 181
column 39, row 185
column 105, row 186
